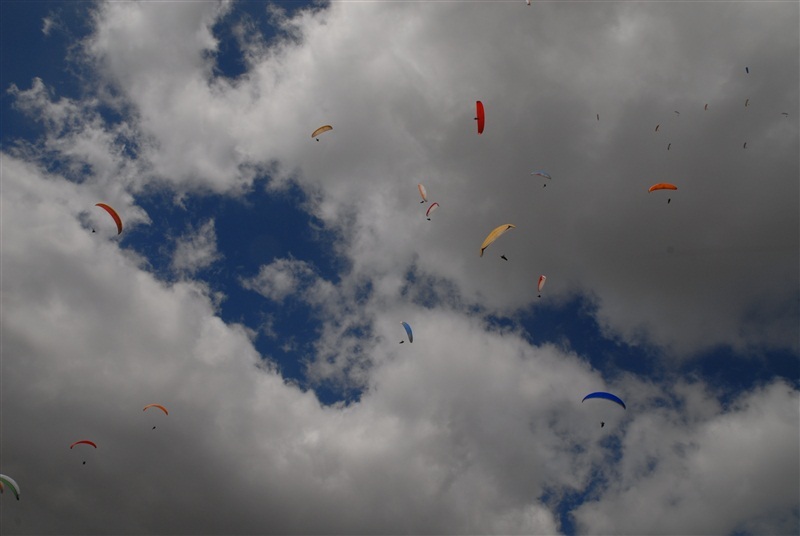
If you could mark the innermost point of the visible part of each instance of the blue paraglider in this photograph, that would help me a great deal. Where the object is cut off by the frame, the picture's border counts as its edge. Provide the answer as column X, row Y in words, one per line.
column 606, row 396
column 408, row 331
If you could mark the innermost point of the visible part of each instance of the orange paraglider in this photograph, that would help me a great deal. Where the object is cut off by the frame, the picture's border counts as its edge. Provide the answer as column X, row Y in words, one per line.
column 159, row 406
column 662, row 186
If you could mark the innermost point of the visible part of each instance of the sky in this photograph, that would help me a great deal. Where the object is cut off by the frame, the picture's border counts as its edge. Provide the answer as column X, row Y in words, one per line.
column 259, row 283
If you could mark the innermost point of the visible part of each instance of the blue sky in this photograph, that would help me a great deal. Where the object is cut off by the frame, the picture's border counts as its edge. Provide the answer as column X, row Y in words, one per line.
column 259, row 283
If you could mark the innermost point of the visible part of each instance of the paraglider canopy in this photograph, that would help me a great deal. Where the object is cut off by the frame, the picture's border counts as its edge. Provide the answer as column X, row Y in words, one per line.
column 542, row 279
column 320, row 130
column 662, row 186
column 605, row 396
column 84, row 442
column 159, row 406
column 408, row 332
column 495, row 234
column 10, row 483
column 430, row 210
column 480, row 116
column 113, row 214
column 422, row 192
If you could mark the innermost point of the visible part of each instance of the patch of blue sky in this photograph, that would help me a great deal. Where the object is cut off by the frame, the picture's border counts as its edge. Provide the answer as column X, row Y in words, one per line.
column 38, row 55
column 250, row 15
column 729, row 373
column 563, row 501
column 573, row 326
column 251, row 231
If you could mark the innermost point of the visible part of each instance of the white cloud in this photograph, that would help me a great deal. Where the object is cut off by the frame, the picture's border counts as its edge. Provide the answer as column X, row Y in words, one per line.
column 466, row 429
column 197, row 250
column 732, row 471
column 281, row 278
column 402, row 113
column 48, row 23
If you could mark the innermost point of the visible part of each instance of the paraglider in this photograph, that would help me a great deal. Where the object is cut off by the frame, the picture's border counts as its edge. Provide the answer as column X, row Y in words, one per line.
column 668, row 146
column 785, row 114
column 744, row 146
column 658, row 125
column 602, row 395
column 159, row 406
column 705, row 107
column 479, row 116
column 494, row 235
column 320, row 130
column 430, row 210
column 746, row 103
column 677, row 112
column 598, row 117
column 113, row 214
column 542, row 279
column 747, row 70
column 605, row 396
column 542, row 174
column 10, row 483
column 408, row 332
column 504, row 257
column 423, row 193
column 84, row 442
column 663, row 186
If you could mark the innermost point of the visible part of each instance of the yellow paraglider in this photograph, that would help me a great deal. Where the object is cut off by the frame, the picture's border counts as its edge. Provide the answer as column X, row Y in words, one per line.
column 320, row 130
column 494, row 235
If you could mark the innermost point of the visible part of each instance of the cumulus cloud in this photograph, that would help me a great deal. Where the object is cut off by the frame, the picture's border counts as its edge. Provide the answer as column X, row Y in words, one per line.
column 687, row 476
column 197, row 250
column 281, row 278
column 48, row 23
column 470, row 428
column 402, row 114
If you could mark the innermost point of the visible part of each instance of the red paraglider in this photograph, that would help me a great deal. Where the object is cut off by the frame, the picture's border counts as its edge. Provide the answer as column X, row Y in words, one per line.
column 113, row 214
column 84, row 442
column 480, row 116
